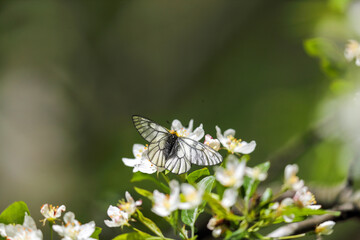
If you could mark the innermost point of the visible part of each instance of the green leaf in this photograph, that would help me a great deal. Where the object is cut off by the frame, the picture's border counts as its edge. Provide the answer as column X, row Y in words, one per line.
column 332, row 60
column 189, row 216
column 144, row 193
column 240, row 233
column 149, row 223
column 132, row 236
column 266, row 196
column 250, row 186
column 219, row 210
column 173, row 219
column 195, row 175
column 264, row 167
column 14, row 213
column 139, row 176
column 96, row 233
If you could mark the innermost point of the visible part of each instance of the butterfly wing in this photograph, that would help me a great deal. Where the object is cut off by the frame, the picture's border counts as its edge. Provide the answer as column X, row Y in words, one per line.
column 190, row 151
column 198, row 153
column 177, row 161
column 157, row 137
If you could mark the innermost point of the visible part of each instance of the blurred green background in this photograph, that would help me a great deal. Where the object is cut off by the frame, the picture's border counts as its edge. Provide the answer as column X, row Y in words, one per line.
column 73, row 72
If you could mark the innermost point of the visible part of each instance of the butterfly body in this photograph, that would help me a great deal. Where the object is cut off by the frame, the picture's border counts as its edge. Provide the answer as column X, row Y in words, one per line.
column 169, row 150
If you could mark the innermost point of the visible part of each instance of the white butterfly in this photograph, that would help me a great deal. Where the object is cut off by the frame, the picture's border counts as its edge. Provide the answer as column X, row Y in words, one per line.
column 168, row 150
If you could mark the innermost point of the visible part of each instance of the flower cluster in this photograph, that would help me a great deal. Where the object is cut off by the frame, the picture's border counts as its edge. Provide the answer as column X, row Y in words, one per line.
column 27, row 230
column 71, row 229
column 142, row 163
column 165, row 204
column 121, row 214
column 231, row 195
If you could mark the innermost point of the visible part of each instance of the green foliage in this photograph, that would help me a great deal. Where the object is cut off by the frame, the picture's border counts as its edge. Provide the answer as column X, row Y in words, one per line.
column 195, row 175
column 14, row 213
column 139, row 176
column 144, row 193
column 149, row 223
column 331, row 58
column 96, row 233
column 189, row 216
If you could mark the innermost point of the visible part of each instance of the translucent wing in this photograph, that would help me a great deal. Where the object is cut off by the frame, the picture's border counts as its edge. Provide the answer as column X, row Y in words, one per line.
column 177, row 161
column 157, row 137
column 198, row 153
column 187, row 151
column 149, row 130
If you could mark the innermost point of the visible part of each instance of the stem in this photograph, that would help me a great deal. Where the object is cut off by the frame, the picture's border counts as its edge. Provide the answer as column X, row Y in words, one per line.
column 192, row 231
column 165, row 177
column 51, row 230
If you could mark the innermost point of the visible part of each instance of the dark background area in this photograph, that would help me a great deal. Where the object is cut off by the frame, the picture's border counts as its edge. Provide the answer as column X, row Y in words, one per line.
column 73, row 72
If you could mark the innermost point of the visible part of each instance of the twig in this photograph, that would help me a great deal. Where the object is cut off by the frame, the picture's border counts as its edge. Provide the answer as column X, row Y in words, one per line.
column 348, row 210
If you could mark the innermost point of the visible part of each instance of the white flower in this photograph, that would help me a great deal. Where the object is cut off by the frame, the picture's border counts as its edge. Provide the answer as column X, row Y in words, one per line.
column 325, row 228
column 181, row 131
column 118, row 217
column 129, row 206
column 214, row 224
column 165, row 204
column 141, row 161
column 305, row 199
column 192, row 196
column 217, row 232
column 281, row 207
column 291, row 180
column 256, row 173
column 51, row 213
column 229, row 197
column 213, row 143
column 233, row 174
column 73, row 230
column 2, row 230
column 26, row 231
column 352, row 51
column 232, row 144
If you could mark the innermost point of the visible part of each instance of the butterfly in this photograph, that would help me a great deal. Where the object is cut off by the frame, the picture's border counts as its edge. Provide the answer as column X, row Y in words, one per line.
column 175, row 153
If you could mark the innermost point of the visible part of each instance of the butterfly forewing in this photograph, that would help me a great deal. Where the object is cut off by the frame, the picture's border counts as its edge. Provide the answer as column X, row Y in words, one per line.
column 149, row 130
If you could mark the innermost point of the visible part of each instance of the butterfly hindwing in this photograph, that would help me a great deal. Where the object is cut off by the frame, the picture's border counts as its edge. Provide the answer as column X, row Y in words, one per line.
column 177, row 161
column 198, row 153
column 156, row 153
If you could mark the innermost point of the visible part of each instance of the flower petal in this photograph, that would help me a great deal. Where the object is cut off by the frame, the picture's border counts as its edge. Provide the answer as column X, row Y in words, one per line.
column 246, row 148
column 131, row 162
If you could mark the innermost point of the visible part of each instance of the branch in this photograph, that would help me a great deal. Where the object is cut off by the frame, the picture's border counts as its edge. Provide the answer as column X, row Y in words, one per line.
column 348, row 210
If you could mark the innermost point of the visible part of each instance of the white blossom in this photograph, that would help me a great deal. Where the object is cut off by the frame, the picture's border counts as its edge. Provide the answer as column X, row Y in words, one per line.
column 118, row 217
column 51, row 213
column 211, row 142
column 233, row 174
column 256, row 173
column 214, row 224
column 130, row 205
column 141, row 161
column 165, row 204
column 73, row 230
column 304, row 198
column 192, row 196
column 26, row 231
column 229, row 197
column 291, row 180
column 232, row 144
column 325, row 228
column 182, row 131
column 352, row 51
